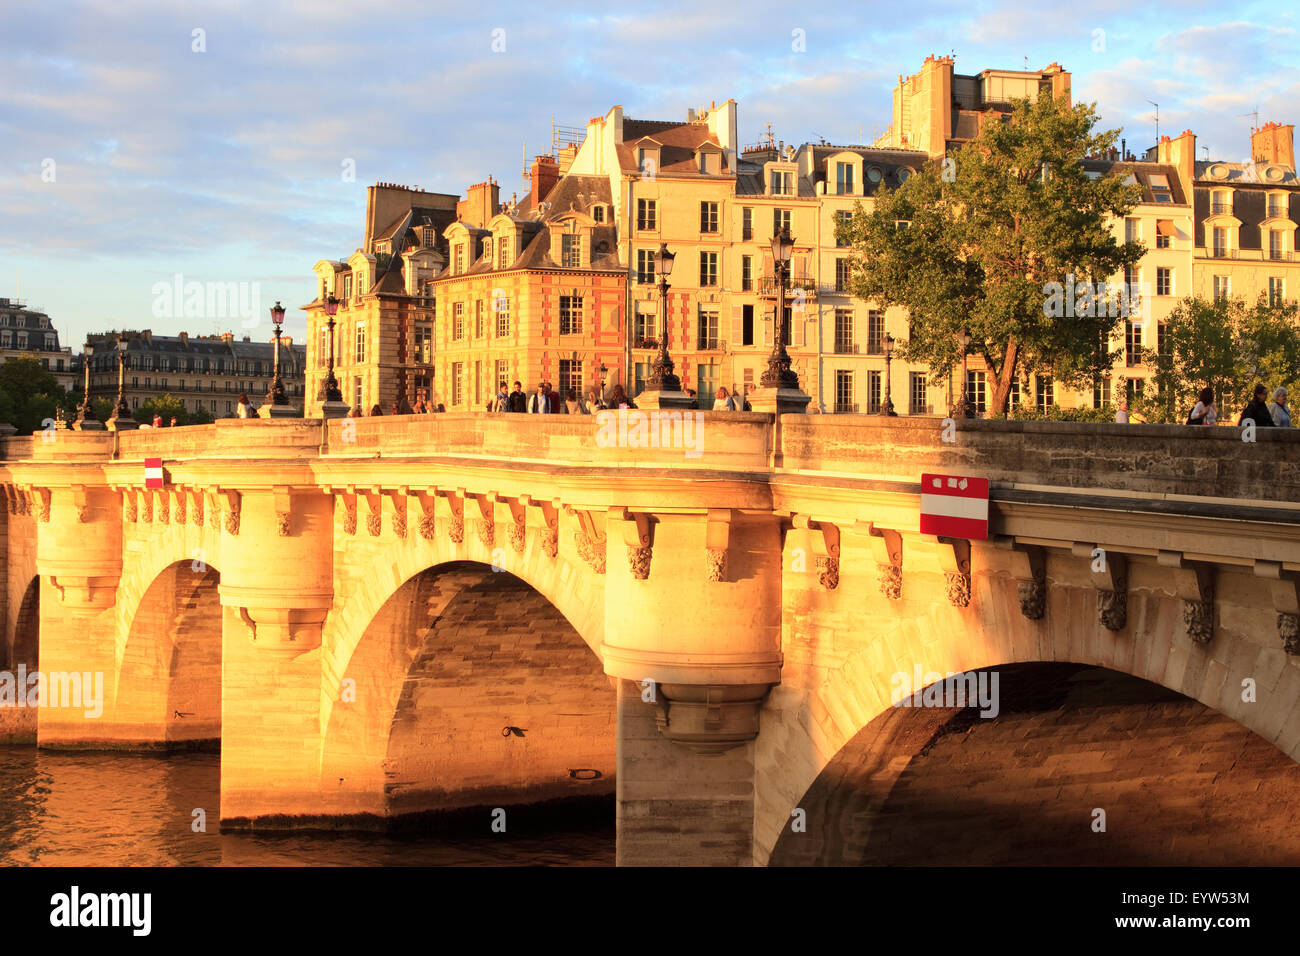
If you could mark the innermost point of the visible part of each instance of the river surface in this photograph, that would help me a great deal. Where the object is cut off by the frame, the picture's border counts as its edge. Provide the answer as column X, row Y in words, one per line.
column 123, row 809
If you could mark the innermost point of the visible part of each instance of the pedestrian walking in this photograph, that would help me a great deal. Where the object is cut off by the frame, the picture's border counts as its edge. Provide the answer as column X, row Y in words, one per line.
column 1257, row 409
column 1277, row 409
column 1203, row 412
column 242, row 409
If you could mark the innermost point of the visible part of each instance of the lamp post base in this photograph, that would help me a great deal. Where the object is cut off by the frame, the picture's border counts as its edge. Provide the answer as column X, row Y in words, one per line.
column 88, row 425
column 659, row 398
column 334, row 409
column 278, row 411
column 779, row 401
column 122, row 424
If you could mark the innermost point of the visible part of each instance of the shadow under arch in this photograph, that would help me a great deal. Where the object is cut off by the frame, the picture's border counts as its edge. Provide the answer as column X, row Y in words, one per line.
column 167, row 689
column 1178, row 783
column 468, row 688
column 26, row 645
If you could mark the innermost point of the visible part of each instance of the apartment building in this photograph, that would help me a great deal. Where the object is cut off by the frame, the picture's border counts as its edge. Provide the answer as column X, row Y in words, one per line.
column 207, row 372
column 26, row 331
column 383, row 331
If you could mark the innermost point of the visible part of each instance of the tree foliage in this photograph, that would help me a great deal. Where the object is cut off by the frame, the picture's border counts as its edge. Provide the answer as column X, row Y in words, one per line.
column 30, row 398
column 1227, row 344
column 987, row 231
column 168, row 406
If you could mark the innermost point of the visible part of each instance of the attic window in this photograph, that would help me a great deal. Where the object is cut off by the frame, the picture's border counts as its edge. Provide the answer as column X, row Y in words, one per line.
column 598, row 213
column 904, row 174
column 874, row 174
column 428, row 237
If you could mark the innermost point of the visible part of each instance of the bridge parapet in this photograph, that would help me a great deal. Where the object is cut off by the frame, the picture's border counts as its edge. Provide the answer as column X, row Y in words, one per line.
column 618, row 438
column 1147, row 459
column 228, row 438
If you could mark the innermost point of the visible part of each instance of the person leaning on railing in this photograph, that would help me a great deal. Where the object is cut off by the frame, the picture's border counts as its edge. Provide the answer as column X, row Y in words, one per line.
column 1277, row 409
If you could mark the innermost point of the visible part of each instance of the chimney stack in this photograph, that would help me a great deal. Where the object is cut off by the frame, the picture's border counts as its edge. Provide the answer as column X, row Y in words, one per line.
column 543, row 176
column 1274, row 143
column 1180, row 152
column 481, row 203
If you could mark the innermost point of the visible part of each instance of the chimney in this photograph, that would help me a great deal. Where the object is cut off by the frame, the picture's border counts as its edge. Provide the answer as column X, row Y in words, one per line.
column 185, row 339
column 1180, row 152
column 227, row 337
column 1274, row 143
column 543, row 177
column 481, row 203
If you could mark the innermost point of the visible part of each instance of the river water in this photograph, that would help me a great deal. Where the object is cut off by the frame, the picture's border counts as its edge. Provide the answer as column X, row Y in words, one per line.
column 122, row 809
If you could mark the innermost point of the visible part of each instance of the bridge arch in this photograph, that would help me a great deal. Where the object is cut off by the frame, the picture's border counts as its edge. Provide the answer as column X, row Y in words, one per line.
column 167, row 686
column 25, row 648
column 835, row 700
column 468, row 688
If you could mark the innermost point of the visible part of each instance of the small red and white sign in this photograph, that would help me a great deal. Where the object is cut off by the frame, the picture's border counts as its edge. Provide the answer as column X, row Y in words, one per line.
column 955, row 507
column 153, row 473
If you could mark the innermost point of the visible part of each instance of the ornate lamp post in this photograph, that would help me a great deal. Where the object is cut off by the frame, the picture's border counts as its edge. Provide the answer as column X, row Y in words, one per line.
column 963, row 408
column 275, row 395
column 603, row 373
column 331, row 389
column 86, row 414
column 887, row 406
column 122, row 419
column 664, row 389
column 778, row 373
column 661, row 372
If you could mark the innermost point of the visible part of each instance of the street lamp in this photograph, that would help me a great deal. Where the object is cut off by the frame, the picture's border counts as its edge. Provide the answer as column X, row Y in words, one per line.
column 122, row 418
column 275, row 395
column 887, row 407
column 85, row 413
column 603, row 372
column 332, row 392
column 963, row 408
column 778, row 373
column 661, row 372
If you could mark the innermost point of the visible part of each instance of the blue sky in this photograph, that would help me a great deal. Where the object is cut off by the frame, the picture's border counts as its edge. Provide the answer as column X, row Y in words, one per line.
column 126, row 157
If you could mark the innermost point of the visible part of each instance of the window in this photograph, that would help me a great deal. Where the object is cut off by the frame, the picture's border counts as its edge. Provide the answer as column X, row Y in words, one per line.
column 228, row 409
column 1164, row 281
column 640, row 375
column 1100, row 392
column 917, row 394
column 746, row 325
column 347, row 287
column 708, row 217
column 780, row 220
column 478, row 319
column 1132, row 343
column 844, row 178
column 1159, row 184
column 502, row 306
column 570, row 314
column 708, row 268
column 424, row 344
column 645, row 266
column 458, row 259
column 1220, row 242
column 708, row 330
column 1132, row 230
column 1275, row 244
column 873, row 392
column 746, row 224
column 782, row 183
column 503, row 373
column 361, row 343
column 570, row 251
column 1133, row 389
column 1221, row 290
column 1221, row 203
column 503, row 246
column 458, row 321
column 1044, row 392
column 841, row 275
column 429, row 237
column 844, row 331
column 487, row 250
column 598, row 213
column 1164, row 234
column 1275, row 204
column 1162, row 338
column 746, row 273
column 570, row 377
column 645, row 214
column 457, row 382
column 977, row 391
column 1276, row 290
column 643, row 330
column 842, row 219
column 844, row 392
column 875, row 333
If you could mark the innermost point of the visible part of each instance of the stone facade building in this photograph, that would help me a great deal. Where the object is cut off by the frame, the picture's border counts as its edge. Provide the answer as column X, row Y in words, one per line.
column 206, row 372
column 25, row 331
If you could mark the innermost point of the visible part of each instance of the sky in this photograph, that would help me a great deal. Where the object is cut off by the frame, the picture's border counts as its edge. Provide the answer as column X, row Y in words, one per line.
column 145, row 143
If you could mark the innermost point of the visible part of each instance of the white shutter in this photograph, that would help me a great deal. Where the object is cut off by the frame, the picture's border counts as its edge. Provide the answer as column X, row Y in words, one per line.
column 767, row 325
column 798, row 321
column 737, row 326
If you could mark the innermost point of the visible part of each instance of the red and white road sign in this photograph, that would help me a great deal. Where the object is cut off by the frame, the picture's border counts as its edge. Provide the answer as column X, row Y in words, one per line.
column 153, row 473
column 955, row 507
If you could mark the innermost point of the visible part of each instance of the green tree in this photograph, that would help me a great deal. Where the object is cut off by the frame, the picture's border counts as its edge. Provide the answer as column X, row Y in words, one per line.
column 1227, row 344
column 978, row 239
column 31, row 398
column 168, row 406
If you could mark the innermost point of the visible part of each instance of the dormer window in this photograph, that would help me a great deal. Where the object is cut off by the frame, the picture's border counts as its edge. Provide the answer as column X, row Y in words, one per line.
column 844, row 179
column 647, row 160
column 781, row 182
column 1276, row 205
column 709, row 159
column 429, row 237
column 503, row 245
column 570, row 251
column 1159, row 184
column 874, row 175
column 487, row 250
column 1221, row 202
column 598, row 213
column 458, row 259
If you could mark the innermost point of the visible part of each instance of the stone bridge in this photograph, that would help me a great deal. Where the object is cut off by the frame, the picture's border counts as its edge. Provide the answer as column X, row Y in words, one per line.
column 458, row 612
